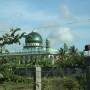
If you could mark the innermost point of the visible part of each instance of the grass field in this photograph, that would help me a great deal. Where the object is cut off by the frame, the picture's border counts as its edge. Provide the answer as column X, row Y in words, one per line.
column 13, row 86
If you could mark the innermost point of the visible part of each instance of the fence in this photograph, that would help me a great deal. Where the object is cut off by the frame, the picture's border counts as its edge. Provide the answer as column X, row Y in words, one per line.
column 47, row 78
column 68, row 78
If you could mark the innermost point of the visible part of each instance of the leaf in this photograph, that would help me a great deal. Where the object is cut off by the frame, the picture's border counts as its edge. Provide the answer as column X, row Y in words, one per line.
column 13, row 31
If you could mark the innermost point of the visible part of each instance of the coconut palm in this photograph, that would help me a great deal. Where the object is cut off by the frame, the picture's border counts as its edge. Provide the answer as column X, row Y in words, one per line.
column 70, row 57
column 73, row 50
column 11, row 37
column 13, row 31
column 63, row 56
column 63, row 51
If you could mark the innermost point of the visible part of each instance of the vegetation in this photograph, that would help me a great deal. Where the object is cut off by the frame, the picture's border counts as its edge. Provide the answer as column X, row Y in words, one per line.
column 11, row 37
column 70, row 57
column 60, row 83
column 67, row 57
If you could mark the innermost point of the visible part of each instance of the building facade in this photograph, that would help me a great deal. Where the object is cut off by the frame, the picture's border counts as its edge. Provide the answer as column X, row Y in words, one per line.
column 34, row 50
column 37, row 48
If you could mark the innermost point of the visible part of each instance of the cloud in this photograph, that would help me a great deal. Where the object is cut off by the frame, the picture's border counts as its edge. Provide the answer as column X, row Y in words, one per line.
column 65, row 35
column 38, row 16
column 62, row 35
column 65, row 11
column 17, row 12
column 4, row 27
column 67, row 14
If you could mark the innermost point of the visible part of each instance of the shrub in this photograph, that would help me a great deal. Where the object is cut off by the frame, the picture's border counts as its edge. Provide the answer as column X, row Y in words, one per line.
column 70, row 83
column 58, row 83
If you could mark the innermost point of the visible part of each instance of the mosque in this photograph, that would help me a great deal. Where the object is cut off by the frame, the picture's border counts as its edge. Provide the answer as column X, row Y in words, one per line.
column 34, row 44
column 34, row 47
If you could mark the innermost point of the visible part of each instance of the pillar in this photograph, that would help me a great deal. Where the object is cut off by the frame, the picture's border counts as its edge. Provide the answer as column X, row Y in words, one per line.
column 37, row 85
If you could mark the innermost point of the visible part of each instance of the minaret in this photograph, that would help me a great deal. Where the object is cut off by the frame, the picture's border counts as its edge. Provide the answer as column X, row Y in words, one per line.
column 47, row 45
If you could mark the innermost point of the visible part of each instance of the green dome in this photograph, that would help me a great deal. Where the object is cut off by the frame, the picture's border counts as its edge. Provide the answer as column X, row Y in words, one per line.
column 33, row 37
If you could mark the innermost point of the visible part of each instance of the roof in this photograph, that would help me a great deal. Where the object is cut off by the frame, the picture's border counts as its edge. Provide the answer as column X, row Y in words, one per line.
column 33, row 37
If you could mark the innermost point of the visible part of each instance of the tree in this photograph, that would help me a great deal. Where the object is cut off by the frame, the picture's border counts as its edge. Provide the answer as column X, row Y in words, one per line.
column 11, row 37
column 73, row 50
column 70, row 57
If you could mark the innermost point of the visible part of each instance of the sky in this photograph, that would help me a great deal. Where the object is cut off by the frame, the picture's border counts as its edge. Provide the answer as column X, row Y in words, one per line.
column 61, row 21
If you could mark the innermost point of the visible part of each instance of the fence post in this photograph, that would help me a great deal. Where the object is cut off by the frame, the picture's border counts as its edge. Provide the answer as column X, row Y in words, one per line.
column 37, row 78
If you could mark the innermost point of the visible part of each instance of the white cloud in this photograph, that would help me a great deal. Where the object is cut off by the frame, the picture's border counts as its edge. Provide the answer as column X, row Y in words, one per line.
column 62, row 35
column 20, row 12
column 68, row 15
column 38, row 16
column 4, row 27
column 65, row 11
column 66, row 35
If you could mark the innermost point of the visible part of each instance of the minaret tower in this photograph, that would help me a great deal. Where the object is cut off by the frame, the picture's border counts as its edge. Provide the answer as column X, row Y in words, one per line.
column 47, row 45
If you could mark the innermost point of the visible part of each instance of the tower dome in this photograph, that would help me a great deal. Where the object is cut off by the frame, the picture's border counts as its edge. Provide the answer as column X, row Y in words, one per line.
column 33, row 39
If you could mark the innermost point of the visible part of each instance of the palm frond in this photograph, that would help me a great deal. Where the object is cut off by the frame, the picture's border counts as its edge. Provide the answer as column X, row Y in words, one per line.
column 13, row 31
column 22, row 35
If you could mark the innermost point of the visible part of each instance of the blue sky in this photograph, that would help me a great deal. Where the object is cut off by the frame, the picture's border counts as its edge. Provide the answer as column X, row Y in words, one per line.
column 62, row 21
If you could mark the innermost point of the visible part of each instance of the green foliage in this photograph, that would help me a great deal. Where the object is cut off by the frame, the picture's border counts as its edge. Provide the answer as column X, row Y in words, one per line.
column 8, row 74
column 82, row 81
column 70, row 57
column 50, row 83
column 40, row 61
column 70, row 83
column 15, row 86
column 45, row 63
column 11, row 37
column 21, row 79
column 60, row 83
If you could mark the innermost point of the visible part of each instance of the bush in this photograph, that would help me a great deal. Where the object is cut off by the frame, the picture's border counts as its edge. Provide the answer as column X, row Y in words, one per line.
column 50, row 83
column 58, row 83
column 70, row 83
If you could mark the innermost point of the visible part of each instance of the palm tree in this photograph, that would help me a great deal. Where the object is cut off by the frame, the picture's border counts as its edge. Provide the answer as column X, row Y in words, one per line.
column 73, row 50
column 63, row 51
column 63, row 55
column 13, row 31
column 70, row 57
column 11, row 37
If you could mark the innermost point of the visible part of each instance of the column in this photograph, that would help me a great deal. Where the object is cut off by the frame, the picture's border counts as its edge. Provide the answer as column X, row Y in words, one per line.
column 38, row 78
